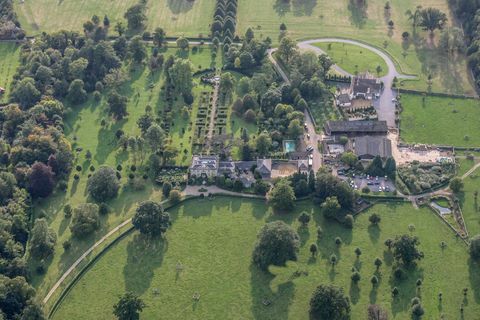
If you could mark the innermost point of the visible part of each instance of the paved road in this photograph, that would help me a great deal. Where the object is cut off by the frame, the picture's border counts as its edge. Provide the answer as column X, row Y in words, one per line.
column 313, row 141
column 384, row 105
column 81, row 258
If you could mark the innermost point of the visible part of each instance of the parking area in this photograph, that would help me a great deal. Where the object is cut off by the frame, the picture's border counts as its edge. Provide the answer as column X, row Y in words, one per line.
column 375, row 184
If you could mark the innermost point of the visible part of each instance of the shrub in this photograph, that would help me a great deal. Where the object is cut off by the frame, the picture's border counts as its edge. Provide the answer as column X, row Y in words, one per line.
column 348, row 222
column 103, row 208
column 338, row 241
column 66, row 245
column 174, row 196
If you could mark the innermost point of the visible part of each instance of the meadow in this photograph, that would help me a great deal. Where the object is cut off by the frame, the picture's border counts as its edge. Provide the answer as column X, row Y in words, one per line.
column 176, row 17
column 354, row 59
column 470, row 207
column 85, row 132
column 440, row 120
column 310, row 19
column 9, row 62
column 167, row 272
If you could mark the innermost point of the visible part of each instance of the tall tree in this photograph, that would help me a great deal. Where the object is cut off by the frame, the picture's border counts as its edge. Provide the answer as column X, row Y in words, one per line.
column 137, row 50
column 431, row 19
column 128, row 307
column 43, row 238
column 40, row 180
column 277, row 243
column 287, row 49
column 328, row 302
column 281, row 196
column 150, row 219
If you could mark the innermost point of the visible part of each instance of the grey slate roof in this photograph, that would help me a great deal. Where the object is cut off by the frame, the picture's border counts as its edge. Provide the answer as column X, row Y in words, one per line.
column 368, row 147
column 358, row 126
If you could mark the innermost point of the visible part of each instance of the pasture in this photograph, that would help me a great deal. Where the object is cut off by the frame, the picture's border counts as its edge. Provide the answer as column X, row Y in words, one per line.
column 85, row 131
column 310, row 19
column 176, row 17
column 440, row 120
column 212, row 242
column 9, row 62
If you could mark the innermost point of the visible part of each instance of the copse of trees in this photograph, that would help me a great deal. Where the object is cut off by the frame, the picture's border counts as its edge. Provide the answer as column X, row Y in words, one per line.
column 329, row 186
column 10, row 28
column 224, row 21
column 277, row 243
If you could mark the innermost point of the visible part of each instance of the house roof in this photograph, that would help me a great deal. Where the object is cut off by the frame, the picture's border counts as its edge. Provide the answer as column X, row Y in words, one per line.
column 298, row 155
column 343, row 98
column 303, row 165
column 226, row 166
column 365, row 84
column 370, row 147
column 264, row 166
column 358, row 126
column 204, row 163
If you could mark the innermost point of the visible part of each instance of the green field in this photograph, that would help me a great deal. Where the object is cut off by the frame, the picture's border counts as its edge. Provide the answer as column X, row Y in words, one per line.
column 84, row 130
column 471, row 210
column 439, row 120
column 9, row 62
column 354, row 59
column 309, row 19
column 176, row 17
column 213, row 242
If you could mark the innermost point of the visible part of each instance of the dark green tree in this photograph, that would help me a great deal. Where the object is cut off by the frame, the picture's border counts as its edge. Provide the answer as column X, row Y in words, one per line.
column 103, row 185
column 281, row 196
column 405, row 249
column 328, row 302
column 150, row 219
column 128, row 307
column 277, row 243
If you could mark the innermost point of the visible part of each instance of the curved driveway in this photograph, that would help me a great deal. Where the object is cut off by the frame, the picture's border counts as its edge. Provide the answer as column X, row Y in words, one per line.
column 384, row 105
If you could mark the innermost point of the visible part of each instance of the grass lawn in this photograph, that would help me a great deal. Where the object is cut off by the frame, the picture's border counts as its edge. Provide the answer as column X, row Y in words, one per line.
column 179, row 17
column 9, row 62
column 84, row 130
column 213, row 241
column 354, row 59
column 439, row 120
column 470, row 209
column 310, row 19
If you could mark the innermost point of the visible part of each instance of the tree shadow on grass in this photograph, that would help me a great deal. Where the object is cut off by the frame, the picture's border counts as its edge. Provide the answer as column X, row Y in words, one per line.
column 303, row 7
column 374, row 233
column 268, row 303
column 281, row 7
column 474, row 275
column 407, row 288
column 145, row 254
column 354, row 292
column 106, row 141
column 304, row 235
column 180, row 6
column 358, row 13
